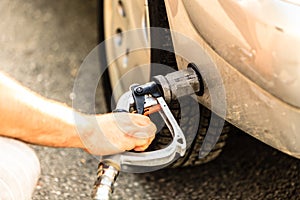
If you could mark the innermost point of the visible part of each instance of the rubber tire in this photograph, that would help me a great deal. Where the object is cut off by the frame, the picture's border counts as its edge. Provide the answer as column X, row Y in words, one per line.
column 158, row 18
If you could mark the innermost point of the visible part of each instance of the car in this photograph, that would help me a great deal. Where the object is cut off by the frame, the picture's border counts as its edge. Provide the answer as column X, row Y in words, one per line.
column 248, row 50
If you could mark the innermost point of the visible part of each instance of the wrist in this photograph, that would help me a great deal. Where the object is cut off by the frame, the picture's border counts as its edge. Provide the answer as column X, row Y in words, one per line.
column 82, row 128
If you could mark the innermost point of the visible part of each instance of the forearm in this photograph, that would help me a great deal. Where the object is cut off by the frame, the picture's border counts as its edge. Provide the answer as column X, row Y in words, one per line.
column 29, row 117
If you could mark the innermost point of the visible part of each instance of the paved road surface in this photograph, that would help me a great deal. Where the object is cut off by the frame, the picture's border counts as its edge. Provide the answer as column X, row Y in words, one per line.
column 43, row 44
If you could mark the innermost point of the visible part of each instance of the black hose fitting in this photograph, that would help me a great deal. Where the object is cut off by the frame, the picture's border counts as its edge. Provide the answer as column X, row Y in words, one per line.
column 180, row 83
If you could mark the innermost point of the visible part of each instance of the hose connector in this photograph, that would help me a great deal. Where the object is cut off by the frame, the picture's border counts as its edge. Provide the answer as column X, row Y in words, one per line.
column 106, row 176
column 180, row 83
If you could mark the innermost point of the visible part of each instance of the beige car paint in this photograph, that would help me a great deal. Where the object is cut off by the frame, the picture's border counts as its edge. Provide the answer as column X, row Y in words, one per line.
column 259, row 38
column 251, row 107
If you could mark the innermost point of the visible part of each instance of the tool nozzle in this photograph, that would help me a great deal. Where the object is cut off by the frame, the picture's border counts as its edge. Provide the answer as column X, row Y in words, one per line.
column 180, row 83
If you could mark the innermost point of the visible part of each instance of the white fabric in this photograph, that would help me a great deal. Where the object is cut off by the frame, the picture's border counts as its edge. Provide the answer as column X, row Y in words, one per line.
column 19, row 170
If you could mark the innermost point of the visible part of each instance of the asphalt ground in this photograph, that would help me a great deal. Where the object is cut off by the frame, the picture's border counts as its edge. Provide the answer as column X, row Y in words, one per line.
column 43, row 44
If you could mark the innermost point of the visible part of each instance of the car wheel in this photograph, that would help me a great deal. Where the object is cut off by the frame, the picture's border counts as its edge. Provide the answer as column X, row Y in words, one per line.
column 118, row 16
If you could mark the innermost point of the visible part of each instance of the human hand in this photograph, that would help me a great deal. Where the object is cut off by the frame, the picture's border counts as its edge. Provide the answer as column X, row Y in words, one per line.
column 117, row 132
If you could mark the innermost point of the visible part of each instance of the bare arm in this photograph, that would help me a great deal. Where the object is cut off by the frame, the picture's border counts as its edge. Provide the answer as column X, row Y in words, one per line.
column 30, row 117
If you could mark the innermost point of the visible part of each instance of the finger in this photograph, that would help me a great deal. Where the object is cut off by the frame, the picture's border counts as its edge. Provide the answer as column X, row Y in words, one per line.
column 142, row 145
column 133, row 124
column 144, row 132
column 140, row 148
column 140, row 120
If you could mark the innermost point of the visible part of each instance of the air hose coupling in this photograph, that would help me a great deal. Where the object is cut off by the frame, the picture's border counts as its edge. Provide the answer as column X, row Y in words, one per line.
column 106, row 176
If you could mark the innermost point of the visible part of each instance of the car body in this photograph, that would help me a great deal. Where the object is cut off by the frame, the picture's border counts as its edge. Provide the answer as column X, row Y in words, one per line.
column 254, row 45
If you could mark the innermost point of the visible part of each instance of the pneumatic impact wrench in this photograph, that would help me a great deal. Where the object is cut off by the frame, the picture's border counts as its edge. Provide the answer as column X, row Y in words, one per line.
column 145, row 99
